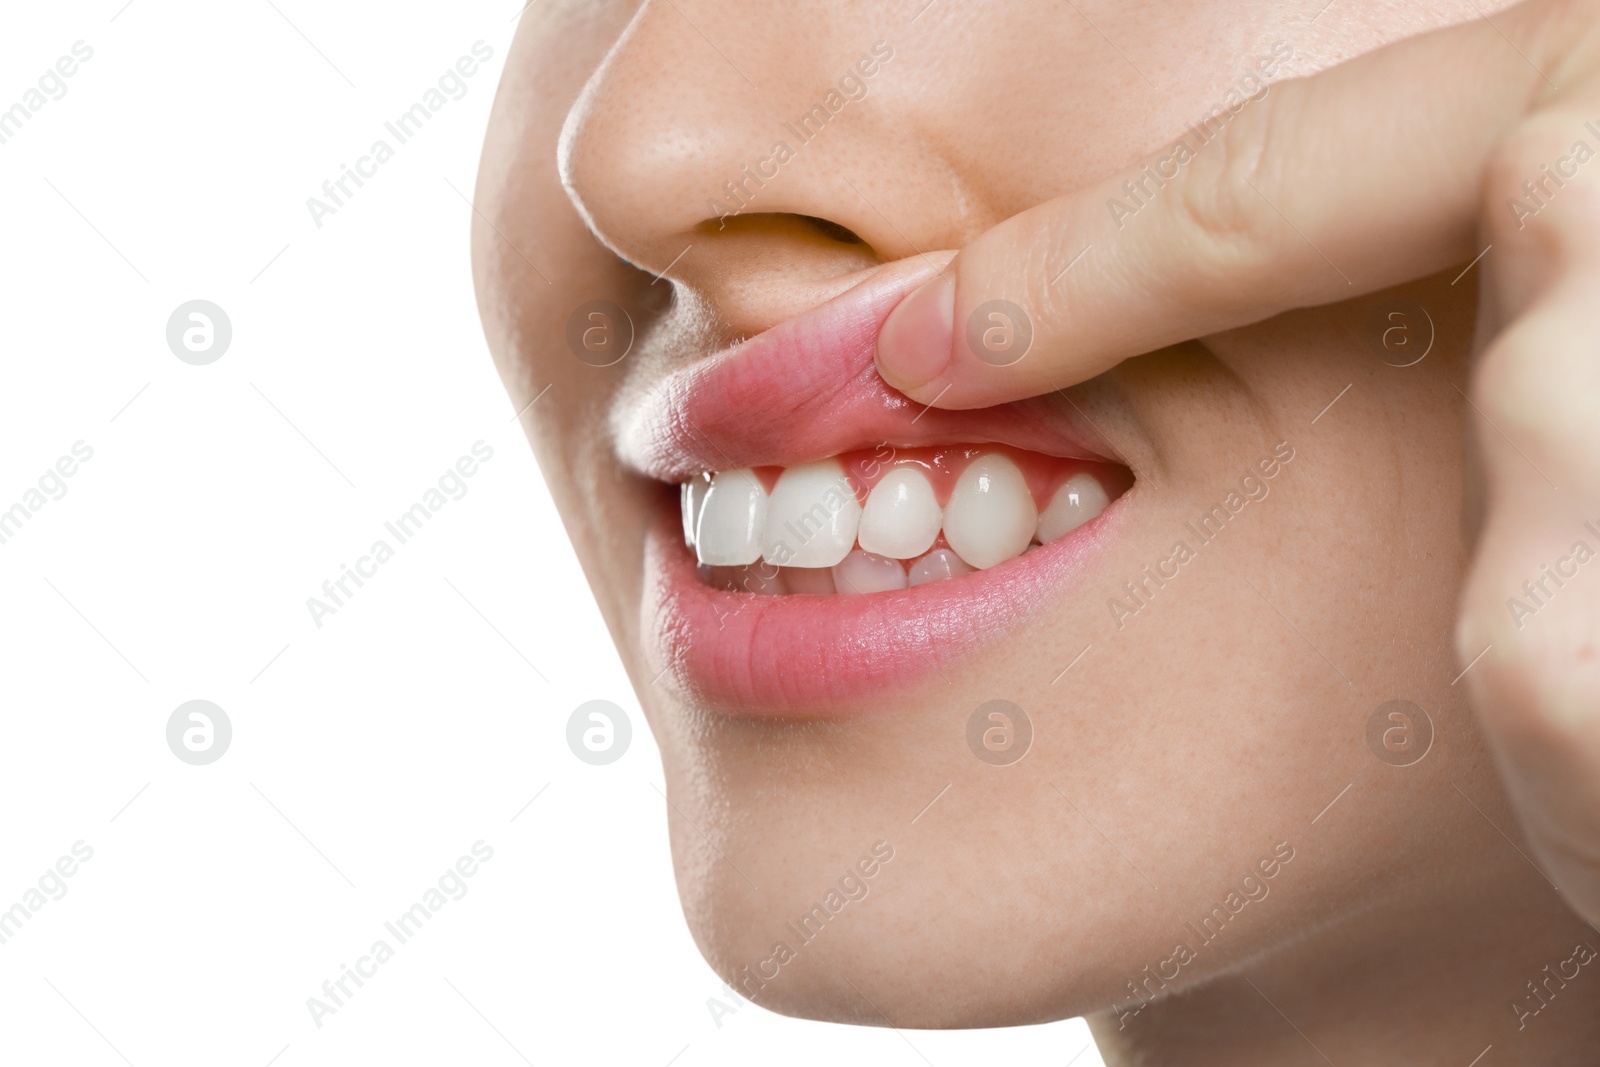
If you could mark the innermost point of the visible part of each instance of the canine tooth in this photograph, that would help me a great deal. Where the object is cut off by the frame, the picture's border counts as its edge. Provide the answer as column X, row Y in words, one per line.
column 902, row 516
column 864, row 572
column 691, row 495
column 728, row 530
column 1080, row 498
column 937, row 566
column 812, row 517
column 991, row 516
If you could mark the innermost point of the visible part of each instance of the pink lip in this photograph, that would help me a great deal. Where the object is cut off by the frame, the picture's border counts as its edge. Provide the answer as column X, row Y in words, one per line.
column 807, row 389
column 823, row 656
column 804, row 390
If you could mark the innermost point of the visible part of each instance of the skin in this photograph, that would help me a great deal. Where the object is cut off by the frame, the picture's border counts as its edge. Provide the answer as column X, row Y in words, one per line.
column 1226, row 719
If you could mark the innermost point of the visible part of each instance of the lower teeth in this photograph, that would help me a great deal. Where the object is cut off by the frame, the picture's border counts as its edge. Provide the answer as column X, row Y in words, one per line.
column 860, row 572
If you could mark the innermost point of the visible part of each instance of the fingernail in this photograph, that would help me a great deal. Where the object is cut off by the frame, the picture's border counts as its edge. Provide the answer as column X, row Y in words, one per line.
column 914, row 344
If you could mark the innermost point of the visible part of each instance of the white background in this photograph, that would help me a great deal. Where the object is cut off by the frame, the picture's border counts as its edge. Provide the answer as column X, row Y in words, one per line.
column 369, row 754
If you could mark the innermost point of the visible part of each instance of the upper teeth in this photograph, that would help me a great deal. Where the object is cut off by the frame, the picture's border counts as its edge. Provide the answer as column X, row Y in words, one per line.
column 991, row 516
column 812, row 519
column 902, row 516
column 730, row 519
column 1078, row 500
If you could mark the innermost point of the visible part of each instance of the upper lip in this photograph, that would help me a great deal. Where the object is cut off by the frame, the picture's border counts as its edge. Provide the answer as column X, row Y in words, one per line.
column 807, row 389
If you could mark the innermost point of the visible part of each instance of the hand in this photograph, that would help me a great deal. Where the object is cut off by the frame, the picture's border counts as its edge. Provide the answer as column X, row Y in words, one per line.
column 1393, row 166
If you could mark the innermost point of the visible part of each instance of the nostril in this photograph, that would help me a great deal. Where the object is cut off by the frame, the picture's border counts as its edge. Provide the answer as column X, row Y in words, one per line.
column 781, row 224
column 831, row 230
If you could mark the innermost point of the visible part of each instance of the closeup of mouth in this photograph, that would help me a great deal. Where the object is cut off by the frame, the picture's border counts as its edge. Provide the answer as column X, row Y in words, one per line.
column 826, row 540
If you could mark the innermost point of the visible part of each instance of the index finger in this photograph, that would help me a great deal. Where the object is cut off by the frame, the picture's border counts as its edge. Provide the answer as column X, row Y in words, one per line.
column 1364, row 176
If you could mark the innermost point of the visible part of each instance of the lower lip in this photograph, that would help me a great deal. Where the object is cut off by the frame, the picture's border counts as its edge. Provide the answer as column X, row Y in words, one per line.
column 795, row 656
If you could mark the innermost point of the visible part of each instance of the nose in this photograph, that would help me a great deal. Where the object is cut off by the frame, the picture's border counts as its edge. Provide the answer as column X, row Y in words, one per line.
column 744, row 151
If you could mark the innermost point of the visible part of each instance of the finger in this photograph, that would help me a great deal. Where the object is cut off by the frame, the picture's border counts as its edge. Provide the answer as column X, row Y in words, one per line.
column 1532, row 605
column 1361, row 177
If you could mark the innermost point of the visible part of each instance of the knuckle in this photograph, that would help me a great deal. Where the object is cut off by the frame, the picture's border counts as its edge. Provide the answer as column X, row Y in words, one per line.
column 1222, row 204
column 1524, row 175
column 1535, row 387
column 1504, row 381
column 1544, row 649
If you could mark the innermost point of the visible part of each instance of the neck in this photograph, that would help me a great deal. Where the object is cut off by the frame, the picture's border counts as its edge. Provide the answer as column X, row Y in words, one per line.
column 1503, row 964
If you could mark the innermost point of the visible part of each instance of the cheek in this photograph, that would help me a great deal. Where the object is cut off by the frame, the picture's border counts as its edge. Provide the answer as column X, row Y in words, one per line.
column 1130, row 780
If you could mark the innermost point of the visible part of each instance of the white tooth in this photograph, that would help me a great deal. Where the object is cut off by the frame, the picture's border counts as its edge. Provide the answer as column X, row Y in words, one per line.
column 691, row 495
column 817, row 581
column 937, row 566
column 732, row 516
column 812, row 517
column 902, row 517
column 990, row 517
column 1080, row 498
column 863, row 572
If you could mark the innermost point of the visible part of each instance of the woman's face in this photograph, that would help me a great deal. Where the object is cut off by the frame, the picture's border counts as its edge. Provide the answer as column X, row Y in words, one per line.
column 1178, row 722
